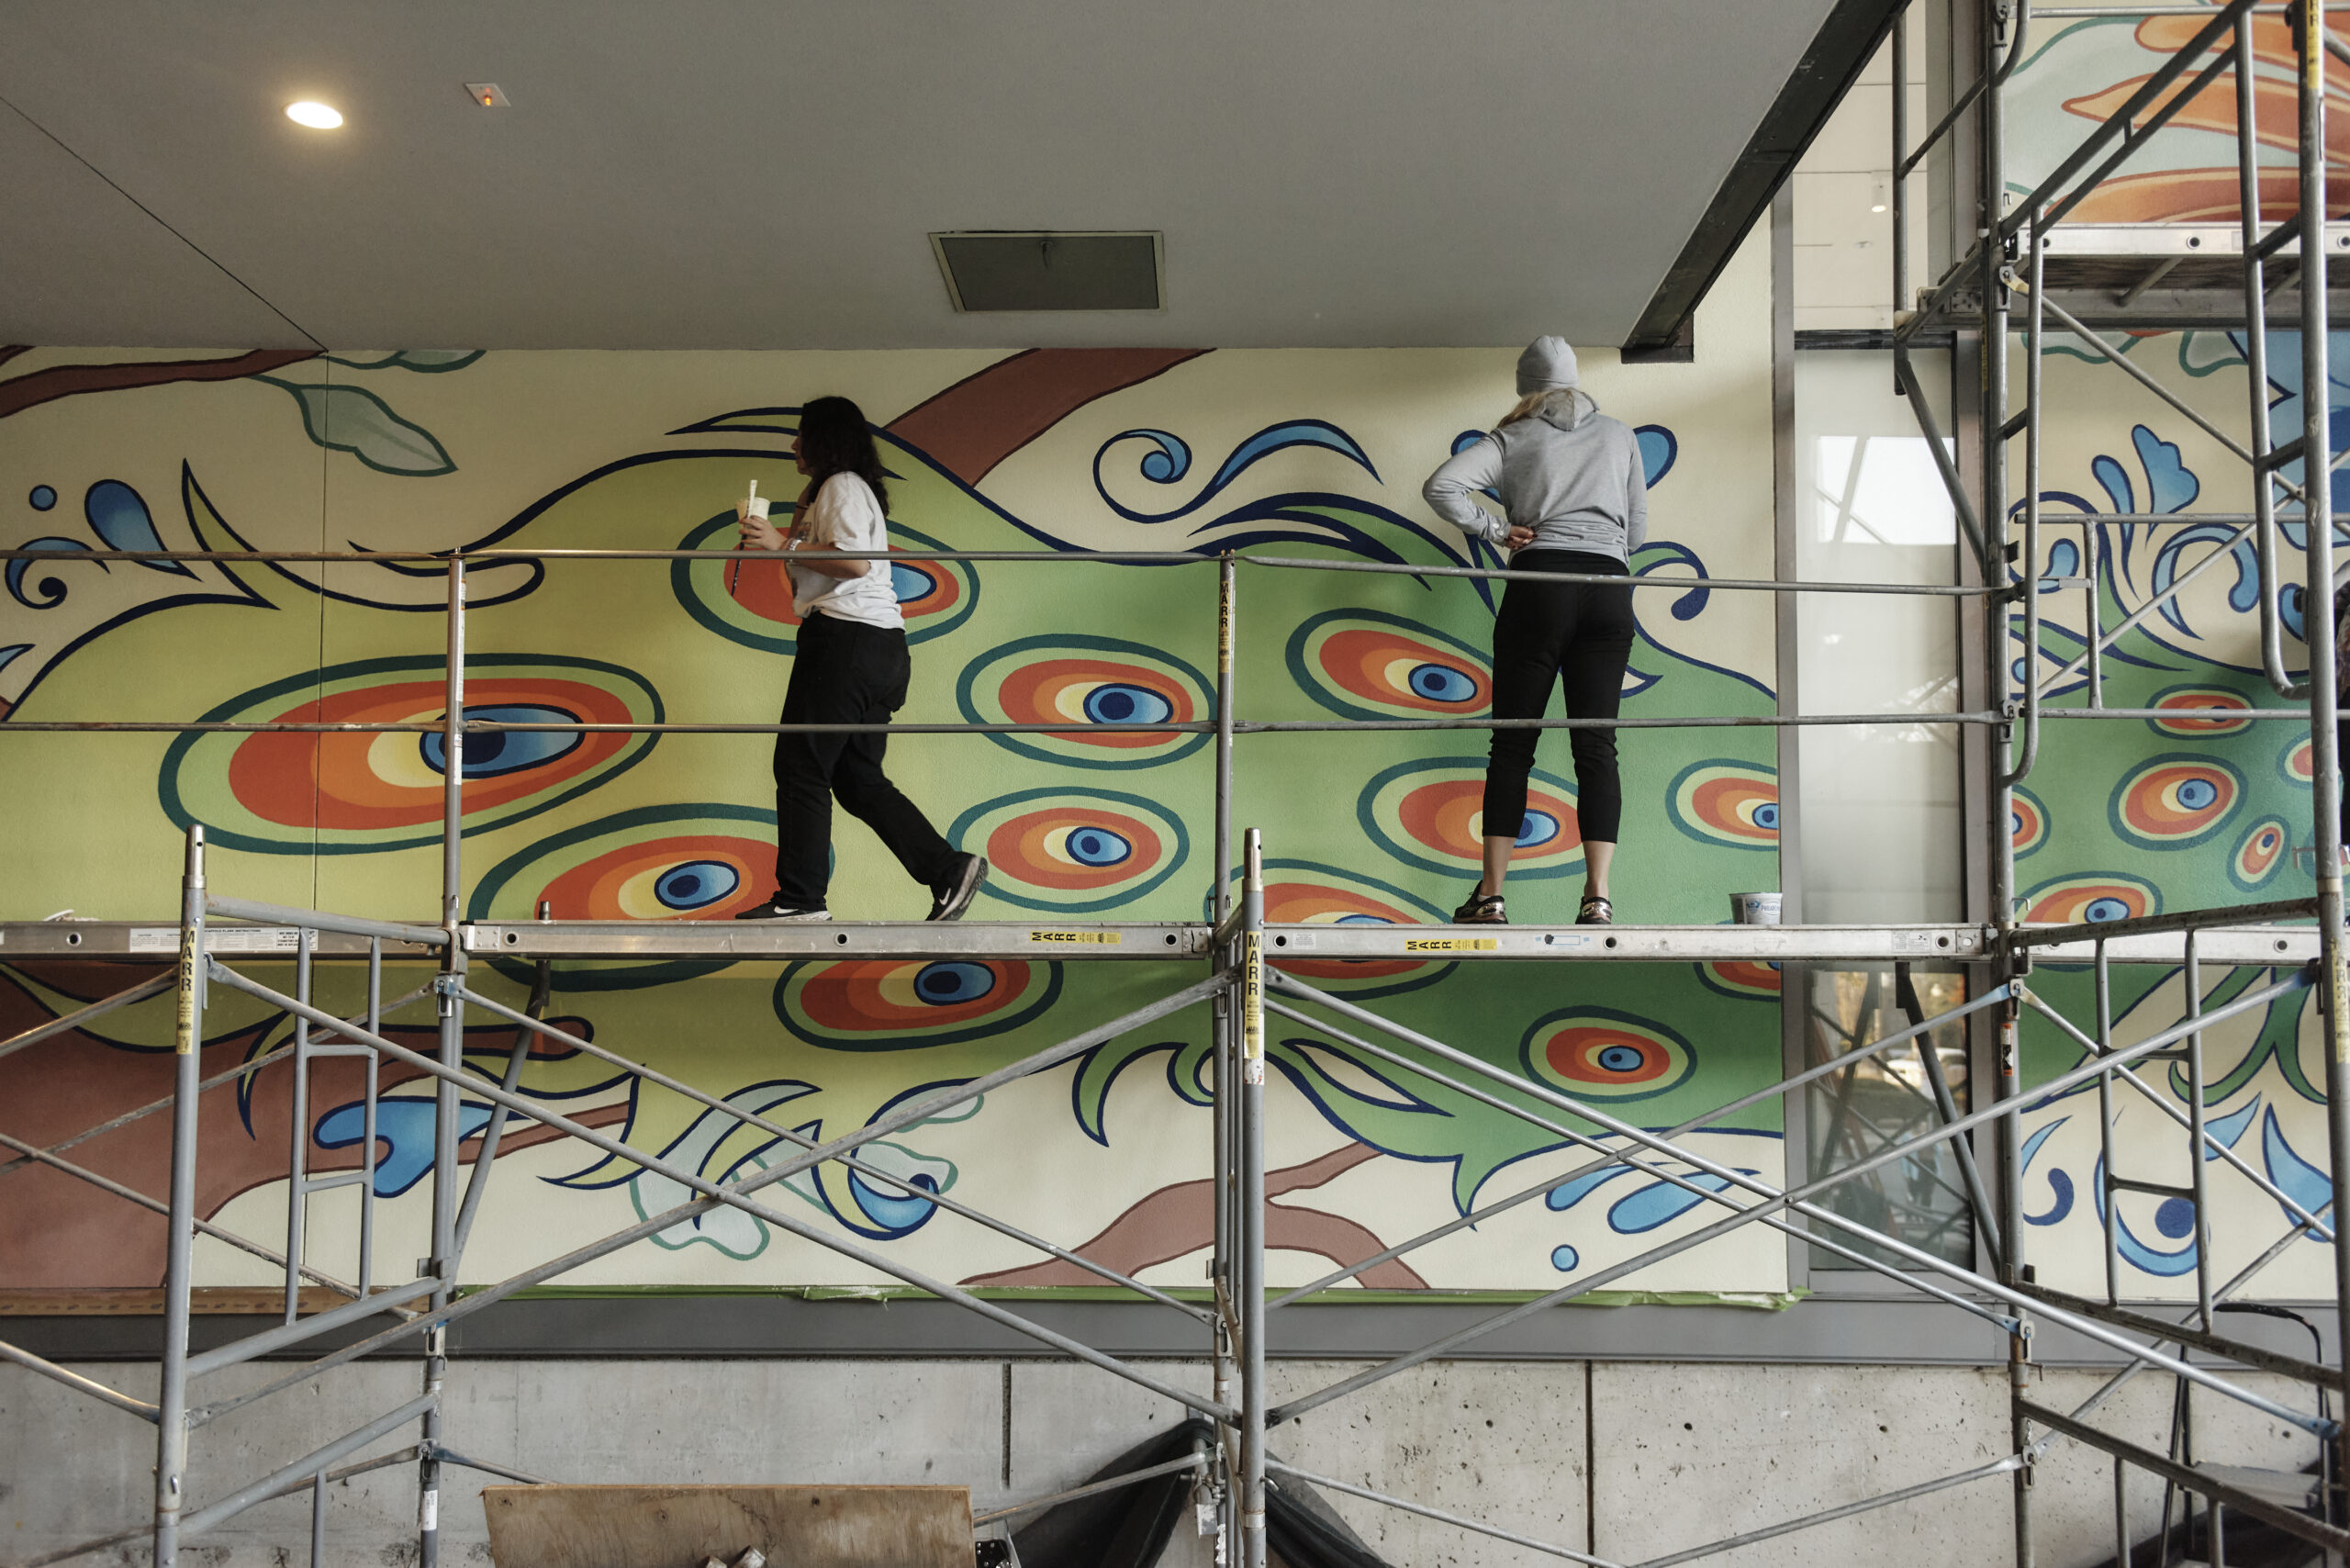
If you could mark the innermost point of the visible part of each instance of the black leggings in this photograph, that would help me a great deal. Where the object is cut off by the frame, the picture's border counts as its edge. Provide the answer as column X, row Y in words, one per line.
column 845, row 673
column 1579, row 634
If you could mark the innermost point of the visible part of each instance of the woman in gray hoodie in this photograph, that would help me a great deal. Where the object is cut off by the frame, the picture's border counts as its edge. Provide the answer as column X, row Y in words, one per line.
column 1574, row 495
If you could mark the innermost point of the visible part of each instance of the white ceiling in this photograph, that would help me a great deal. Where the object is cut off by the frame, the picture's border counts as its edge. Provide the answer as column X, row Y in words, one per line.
column 733, row 173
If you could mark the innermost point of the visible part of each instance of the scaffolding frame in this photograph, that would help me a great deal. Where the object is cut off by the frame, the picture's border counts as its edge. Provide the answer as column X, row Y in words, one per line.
column 1237, row 947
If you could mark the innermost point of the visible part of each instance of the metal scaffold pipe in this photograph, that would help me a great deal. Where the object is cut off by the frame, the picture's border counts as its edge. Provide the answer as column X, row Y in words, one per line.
column 171, row 1423
column 1251, row 1203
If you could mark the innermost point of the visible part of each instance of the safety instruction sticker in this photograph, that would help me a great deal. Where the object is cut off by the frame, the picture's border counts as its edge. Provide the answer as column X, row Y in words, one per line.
column 1067, row 938
column 224, row 939
column 1451, row 943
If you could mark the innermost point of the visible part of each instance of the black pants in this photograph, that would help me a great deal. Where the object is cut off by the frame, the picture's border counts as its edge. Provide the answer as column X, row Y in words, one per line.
column 1578, row 634
column 845, row 673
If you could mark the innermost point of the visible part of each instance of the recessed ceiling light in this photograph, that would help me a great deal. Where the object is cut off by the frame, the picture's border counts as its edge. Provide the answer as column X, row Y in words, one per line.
column 317, row 116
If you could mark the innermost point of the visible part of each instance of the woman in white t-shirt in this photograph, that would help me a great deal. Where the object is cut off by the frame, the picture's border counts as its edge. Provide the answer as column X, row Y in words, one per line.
column 851, row 669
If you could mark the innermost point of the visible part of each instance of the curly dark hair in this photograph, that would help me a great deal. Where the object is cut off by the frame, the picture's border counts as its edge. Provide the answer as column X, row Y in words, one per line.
column 834, row 439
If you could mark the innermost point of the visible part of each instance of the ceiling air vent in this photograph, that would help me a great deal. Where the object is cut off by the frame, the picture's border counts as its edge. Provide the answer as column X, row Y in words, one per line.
column 1034, row 270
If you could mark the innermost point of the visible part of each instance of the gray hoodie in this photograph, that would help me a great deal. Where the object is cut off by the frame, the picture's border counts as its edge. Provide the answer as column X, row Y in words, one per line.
column 1570, row 473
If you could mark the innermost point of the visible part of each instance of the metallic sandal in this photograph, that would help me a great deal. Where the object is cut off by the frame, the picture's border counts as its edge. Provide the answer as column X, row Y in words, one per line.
column 1595, row 911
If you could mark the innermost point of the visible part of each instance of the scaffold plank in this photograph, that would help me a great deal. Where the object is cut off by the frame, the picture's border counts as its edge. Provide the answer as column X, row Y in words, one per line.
column 835, row 939
column 1677, row 944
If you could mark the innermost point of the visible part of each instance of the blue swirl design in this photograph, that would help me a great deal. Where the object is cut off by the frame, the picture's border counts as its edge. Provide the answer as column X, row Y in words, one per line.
column 117, row 515
column 1659, row 552
column 1170, row 460
column 2306, row 1185
column 2171, row 486
column 1656, row 1203
column 1567, row 1196
column 2058, row 1182
column 2115, row 479
column 1659, row 448
column 2244, row 597
column 51, row 590
column 406, row 1124
column 2173, row 1219
column 1661, row 1202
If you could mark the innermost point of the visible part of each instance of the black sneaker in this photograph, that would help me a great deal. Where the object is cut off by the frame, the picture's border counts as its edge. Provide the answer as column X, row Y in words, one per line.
column 951, row 898
column 1483, row 909
column 783, row 912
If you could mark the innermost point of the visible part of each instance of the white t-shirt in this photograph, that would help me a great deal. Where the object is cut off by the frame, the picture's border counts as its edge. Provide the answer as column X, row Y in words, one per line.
column 844, row 515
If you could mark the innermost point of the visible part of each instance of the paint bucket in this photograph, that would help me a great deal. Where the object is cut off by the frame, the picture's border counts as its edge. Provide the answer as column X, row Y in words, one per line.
column 1754, row 909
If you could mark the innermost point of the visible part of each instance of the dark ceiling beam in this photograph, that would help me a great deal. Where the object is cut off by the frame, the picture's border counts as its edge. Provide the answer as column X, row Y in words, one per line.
column 1819, row 83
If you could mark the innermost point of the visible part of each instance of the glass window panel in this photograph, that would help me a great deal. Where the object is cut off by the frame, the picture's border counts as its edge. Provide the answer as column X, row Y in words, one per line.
column 1919, row 1198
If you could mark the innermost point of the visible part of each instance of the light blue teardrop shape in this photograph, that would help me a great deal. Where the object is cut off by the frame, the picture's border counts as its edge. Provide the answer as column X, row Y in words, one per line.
column 117, row 515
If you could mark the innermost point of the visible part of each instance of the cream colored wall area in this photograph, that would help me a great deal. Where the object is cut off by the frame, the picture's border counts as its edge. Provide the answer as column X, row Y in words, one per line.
column 1308, row 455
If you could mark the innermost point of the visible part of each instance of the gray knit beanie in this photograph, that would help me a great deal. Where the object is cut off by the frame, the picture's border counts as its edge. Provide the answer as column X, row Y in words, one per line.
column 1547, row 365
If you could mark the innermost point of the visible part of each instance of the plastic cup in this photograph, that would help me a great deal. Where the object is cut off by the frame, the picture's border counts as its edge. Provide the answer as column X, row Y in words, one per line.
column 1754, row 909
column 750, row 507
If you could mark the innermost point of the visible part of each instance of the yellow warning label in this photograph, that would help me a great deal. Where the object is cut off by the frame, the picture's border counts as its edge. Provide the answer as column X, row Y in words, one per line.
column 1451, row 943
column 185, row 1035
column 1077, row 938
column 1252, row 999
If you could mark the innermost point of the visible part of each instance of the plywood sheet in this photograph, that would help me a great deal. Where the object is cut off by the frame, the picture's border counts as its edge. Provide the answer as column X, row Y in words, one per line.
column 681, row 1526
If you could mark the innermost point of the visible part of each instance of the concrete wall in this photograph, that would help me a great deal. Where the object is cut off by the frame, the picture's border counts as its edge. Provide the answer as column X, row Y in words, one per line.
column 1666, row 1456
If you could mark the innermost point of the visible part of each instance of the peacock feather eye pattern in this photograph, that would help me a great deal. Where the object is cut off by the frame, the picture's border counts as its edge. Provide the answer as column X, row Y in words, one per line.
column 2027, row 822
column 1431, row 814
column 685, row 862
column 2200, row 697
column 909, row 1004
column 2298, row 764
column 2175, row 800
column 1364, row 665
column 2091, row 899
column 296, row 793
column 1599, row 1053
column 1726, row 802
column 2262, row 851
column 1307, row 892
column 1087, row 681
column 1742, row 978
column 1073, row 851
column 748, row 599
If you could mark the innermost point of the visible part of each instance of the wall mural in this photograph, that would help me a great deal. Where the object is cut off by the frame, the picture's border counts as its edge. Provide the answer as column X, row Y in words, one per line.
column 1314, row 455
column 2138, row 817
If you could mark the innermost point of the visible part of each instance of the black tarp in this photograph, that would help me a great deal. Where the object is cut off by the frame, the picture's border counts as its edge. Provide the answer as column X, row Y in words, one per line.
column 1130, row 1528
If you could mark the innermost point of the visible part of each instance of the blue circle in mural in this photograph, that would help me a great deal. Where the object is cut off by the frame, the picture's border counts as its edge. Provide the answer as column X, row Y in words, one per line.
column 1443, row 683
column 2174, row 1218
column 489, row 754
column 42, row 497
column 2100, row 911
column 697, row 884
column 1767, row 815
column 1622, row 1058
column 2197, row 793
column 945, row 984
column 1097, row 846
column 908, row 584
column 1539, row 827
column 1564, row 1258
column 1116, row 703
